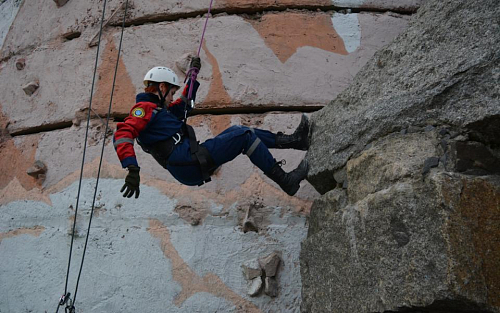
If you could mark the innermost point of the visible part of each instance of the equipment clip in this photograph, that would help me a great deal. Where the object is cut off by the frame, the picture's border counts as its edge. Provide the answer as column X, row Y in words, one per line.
column 64, row 299
column 177, row 138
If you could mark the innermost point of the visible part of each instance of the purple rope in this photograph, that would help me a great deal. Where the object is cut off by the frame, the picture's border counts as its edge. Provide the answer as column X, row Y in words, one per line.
column 193, row 72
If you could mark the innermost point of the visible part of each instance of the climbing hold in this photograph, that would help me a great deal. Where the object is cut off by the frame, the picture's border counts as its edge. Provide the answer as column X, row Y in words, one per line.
column 255, row 286
column 20, row 64
column 249, row 223
column 183, row 62
column 271, row 286
column 262, row 272
column 60, row 3
column 270, row 264
column 30, row 88
column 251, row 269
column 38, row 170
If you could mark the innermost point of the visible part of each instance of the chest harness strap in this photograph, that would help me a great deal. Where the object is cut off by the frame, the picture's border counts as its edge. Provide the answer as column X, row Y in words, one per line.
column 162, row 150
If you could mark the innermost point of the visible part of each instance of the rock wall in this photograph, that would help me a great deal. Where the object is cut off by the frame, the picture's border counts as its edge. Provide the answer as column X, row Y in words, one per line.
column 407, row 159
column 176, row 248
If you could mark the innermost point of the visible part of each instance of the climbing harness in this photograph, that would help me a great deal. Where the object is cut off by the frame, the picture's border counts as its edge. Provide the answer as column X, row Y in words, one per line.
column 162, row 150
column 66, row 300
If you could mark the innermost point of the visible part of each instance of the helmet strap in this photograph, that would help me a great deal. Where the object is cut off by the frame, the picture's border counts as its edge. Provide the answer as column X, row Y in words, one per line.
column 162, row 96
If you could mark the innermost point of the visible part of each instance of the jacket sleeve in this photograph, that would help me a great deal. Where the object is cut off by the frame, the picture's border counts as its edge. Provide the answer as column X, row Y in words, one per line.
column 178, row 106
column 126, row 131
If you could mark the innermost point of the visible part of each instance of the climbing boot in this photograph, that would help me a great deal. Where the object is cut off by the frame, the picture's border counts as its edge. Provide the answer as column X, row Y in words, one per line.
column 299, row 140
column 289, row 182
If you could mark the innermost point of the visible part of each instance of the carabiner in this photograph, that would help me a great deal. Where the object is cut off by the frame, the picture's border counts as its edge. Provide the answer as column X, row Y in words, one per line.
column 178, row 139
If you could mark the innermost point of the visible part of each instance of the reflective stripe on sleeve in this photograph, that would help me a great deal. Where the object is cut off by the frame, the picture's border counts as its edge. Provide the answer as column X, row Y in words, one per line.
column 123, row 140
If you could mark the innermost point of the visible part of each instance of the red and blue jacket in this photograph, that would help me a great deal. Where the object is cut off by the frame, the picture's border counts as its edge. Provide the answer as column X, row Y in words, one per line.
column 150, row 123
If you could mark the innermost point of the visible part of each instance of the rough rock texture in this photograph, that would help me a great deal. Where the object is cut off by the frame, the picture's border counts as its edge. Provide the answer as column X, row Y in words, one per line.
column 407, row 159
column 442, row 71
column 411, row 245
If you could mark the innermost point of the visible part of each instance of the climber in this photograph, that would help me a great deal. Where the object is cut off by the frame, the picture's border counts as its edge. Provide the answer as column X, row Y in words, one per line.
column 158, row 124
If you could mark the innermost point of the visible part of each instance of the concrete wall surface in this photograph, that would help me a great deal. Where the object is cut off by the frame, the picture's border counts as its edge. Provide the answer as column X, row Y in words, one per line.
column 176, row 248
column 278, row 59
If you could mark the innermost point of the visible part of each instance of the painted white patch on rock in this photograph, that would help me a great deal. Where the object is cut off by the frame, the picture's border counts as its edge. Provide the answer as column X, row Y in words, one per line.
column 347, row 26
column 348, row 3
column 8, row 11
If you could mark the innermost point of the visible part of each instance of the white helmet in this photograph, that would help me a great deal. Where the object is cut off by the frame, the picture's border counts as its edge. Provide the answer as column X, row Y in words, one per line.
column 161, row 74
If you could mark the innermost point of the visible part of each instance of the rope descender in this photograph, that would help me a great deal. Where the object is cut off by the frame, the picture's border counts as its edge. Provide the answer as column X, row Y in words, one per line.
column 66, row 300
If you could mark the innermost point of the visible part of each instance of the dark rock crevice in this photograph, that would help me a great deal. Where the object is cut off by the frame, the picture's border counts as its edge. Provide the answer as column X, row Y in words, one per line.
column 209, row 111
column 71, row 35
column 253, row 12
column 486, row 130
column 42, row 128
column 444, row 306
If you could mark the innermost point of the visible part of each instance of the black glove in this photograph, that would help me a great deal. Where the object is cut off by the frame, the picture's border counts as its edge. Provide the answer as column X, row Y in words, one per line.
column 132, row 182
column 195, row 62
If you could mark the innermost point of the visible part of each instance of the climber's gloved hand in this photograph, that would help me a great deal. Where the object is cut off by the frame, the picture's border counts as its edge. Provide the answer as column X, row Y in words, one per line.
column 195, row 62
column 132, row 182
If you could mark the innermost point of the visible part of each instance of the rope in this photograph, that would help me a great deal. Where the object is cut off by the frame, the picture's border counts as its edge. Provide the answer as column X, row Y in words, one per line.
column 194, row 71
column 66, row 297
